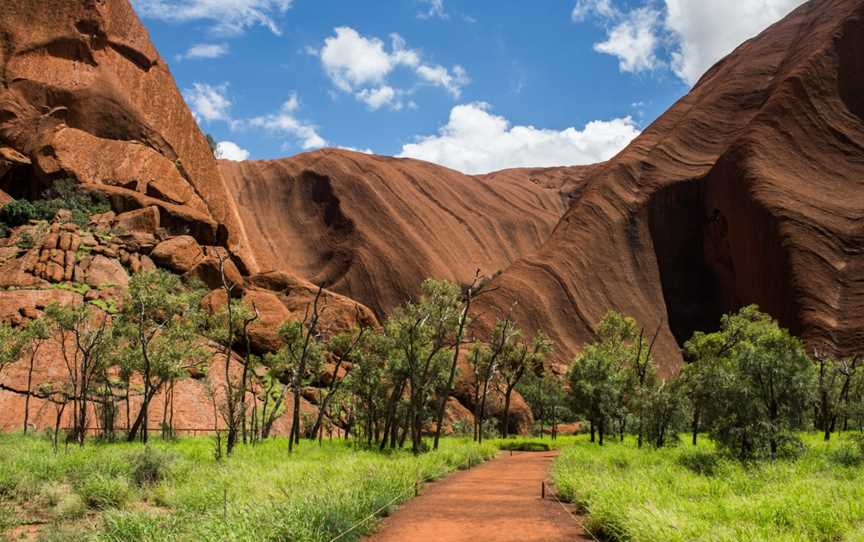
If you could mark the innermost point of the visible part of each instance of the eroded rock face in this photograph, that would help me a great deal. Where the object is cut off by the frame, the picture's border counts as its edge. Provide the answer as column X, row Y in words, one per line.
column 750, row 189
column 83, row 93
column 372, row 228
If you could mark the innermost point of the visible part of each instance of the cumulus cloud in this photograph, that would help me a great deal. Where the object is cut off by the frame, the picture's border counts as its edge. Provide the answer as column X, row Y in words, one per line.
column 691, row 36
column 634, row 41
column 208, row 103
column 285, row 122
column 227, row 16
column 360, row 65
column 434, row 10
column 228, row 150
column 474, row 140
column 205, row 50
column 708, row 30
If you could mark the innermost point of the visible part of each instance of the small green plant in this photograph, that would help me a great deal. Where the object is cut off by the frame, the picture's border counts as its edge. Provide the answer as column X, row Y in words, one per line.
column 78, row 288
column 700, row 462
column 524, row 446
column 25, row 240
column 150, row 466
column 101, row 491
column 18, row 213
column 70, row 506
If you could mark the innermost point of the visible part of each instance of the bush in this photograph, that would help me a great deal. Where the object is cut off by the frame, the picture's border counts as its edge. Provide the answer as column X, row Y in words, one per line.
column 70, row 506
column 700, row 462
column 64, row 194
column 101, row 492
column 150, row 466
column 524, row 446
column 18, row 213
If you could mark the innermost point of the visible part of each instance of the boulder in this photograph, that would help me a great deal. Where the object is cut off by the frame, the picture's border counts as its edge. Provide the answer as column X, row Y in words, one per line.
column 102, row 272
column 180, row 254
column 144, row 221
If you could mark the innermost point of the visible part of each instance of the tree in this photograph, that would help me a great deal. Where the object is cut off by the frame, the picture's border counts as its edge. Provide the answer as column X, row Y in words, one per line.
column 764, row 381
column 300, row 355
column 544, row 393
column 160, row 327
column 421, row 333
column 519, row 356
column 340, row 348
column 834, row 382
column 485, row 360
column 599, row 374
column 35, row 334
column 462, row 324
column 86, row 339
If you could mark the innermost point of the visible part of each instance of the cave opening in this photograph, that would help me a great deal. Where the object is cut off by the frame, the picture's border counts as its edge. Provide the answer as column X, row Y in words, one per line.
column 719, row 250
column 691, row 288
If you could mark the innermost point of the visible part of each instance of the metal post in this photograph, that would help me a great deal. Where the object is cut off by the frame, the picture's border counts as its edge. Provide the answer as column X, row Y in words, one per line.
column 543, row 489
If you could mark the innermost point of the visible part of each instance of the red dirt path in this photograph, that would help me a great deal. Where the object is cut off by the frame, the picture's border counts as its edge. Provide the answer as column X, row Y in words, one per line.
column 498, row 501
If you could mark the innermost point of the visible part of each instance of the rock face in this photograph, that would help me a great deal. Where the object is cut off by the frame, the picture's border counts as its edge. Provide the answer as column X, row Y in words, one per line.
column 372, row 228
column 84, row 94
column 750, row 189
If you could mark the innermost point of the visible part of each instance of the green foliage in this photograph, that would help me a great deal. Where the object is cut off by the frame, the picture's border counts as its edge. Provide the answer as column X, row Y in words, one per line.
column 687, row 494
column 150, row 465
column 101, row 491
column 18, row 212
column 70, row 506
column 757, row 382
column 25, row 241
column 64, row 194
column 524, row 446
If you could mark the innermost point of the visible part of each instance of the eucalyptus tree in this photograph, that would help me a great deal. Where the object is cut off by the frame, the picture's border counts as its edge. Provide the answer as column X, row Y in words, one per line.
column 159, row 326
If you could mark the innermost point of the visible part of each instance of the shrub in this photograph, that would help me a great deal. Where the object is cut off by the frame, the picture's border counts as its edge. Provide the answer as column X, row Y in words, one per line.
column 150, row 466
column 18, row 213
column 700, row 462
column 70, row 506
column 525, row 446
column 101, row 492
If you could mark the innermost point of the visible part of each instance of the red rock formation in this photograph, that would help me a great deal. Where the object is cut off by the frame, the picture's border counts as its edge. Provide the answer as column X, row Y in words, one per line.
column 83, row 93
column 372, row 228
column 750, row 189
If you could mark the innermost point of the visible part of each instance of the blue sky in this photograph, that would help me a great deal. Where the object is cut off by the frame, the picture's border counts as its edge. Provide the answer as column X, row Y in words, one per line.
column 473, row 84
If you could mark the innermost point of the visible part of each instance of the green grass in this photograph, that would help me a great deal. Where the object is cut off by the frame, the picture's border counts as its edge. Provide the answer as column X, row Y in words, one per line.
column 693, row 494
column 261, row 493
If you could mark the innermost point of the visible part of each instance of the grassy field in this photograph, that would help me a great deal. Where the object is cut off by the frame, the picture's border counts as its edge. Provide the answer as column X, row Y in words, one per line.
column 101, row 492
column 691, row 494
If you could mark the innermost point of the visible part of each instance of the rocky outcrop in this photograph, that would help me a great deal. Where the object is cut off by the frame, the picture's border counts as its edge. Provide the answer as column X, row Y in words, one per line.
column 84, row 94
column 750, row 189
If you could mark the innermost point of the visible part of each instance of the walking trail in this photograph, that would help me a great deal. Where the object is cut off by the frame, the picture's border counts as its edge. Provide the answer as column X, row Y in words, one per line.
column 498, row 501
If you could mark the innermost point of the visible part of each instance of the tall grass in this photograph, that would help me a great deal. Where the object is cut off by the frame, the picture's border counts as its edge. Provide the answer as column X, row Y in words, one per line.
column 693, row 494
column 261, row 493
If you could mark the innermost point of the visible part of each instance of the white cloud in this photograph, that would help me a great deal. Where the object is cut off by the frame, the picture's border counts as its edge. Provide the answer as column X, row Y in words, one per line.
column 584, row 8
column 379, row 97
column 228, row 16
column 354, row 149
column 634, row 41
column 205, row 50
column 707, row 30
column 361, row 65
column 434, row 10
column 441, row 76
column 477, row 141
column 352, row 60
column 285, row 122
column 228, row 150
column 208, row 103
column 692, row 34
